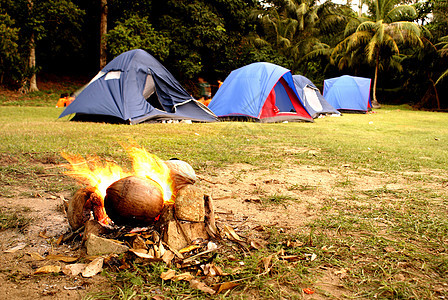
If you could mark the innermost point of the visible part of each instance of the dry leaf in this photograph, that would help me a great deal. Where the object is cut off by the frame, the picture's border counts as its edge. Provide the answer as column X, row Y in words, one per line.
column 139, row 243
column 156, row 251
column 60, row 239
column 291, row 257
column 226, row 286
column 168, row 274
column 63, row 258
column 342, row 272
column 36, row 256
column 209, row 270
column 142, row 253
column 202, row 286
column 267, row 262
column 389, row 249
column 168, row 256
column 189, row 248
column 256, row 245
column 93, row 268
column 219, row 271
column 48, row 269
column 162, row 249
column 43, row 234
column 184, row 276
column 19, row 246
column 231, row 233
column 73, row 269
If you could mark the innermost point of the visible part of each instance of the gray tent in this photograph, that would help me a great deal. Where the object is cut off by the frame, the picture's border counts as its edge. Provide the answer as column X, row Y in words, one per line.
column 311, row 97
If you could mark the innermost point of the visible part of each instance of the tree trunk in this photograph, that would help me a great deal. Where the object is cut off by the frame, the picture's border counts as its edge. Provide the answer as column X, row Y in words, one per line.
column 31, row 61
column 375, row 103
column 32, row 65
column 103, row 32
column 360, row 8
column 435, row 91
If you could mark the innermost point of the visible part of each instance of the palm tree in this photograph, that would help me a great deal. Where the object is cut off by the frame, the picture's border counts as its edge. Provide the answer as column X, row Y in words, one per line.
column 291, row 28
column 379, row 36
column 443, row 52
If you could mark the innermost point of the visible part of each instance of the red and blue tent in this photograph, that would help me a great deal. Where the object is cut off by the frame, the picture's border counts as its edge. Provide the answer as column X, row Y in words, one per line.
column 262, row 92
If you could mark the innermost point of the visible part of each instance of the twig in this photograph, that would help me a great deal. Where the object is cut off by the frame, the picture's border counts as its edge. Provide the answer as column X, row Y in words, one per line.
column 72, row 235
column 202, row 178
column 182, row 230
column 191, row 258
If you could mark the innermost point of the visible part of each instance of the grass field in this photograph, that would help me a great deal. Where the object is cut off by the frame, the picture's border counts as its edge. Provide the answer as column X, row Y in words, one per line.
column 386, row 240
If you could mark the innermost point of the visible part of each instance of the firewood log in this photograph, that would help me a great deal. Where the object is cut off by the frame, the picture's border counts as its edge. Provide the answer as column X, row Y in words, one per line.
column 133, row 200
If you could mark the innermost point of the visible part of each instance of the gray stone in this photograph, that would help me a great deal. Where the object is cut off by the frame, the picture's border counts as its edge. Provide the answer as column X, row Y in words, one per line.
column 98, row 246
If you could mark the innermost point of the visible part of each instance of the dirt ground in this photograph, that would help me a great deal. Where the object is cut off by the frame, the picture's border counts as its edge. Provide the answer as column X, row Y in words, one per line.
column 238, row 192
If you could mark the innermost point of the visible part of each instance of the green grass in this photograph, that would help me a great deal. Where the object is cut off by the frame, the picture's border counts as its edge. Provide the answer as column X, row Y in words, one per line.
column 391, row 242
column 13, row 219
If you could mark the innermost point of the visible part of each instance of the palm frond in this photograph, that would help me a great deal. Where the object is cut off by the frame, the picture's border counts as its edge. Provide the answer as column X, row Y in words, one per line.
column 367, row 26
column 401, row 13
column 445, row 74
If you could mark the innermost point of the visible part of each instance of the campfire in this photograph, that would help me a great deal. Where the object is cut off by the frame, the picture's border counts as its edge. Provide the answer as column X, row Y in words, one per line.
column 156, row 212
column 158, row 195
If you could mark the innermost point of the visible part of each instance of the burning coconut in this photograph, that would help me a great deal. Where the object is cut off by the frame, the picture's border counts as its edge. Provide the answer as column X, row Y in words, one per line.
column 156, row 193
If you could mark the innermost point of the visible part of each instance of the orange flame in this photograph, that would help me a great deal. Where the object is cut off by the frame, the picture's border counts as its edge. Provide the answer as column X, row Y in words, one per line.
column 100, row 174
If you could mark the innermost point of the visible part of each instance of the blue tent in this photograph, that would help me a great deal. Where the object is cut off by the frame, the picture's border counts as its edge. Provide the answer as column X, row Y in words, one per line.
column 348, row 93
column 260, row 91
column 133, row 88
column 311, row 97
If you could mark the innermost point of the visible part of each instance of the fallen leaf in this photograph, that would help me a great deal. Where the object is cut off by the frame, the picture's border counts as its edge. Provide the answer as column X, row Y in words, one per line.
column 162, row 249
column 139, row 243
column 219, row 271
column 267, row 262
column 342, row 272
column 231, row 233
column 291, row 257
column 256, row 245
column 60, row 239
column 63, row 258
column 168, row 274
column 168, row 256
column 19, row 246
column 308, row 291
column 202, row 286
column 48, row 269
column 226, row 286
column 93, row 267
column 73, row 269
column 389, row 249
column 43, row 234
column 209, row 270
column 141, row 253
column 36, row 256
column 189, row 248
column 184, row 276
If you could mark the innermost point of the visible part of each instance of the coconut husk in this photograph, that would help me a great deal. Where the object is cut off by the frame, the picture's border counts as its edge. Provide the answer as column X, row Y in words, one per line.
column 77, row 212
column 133, row 200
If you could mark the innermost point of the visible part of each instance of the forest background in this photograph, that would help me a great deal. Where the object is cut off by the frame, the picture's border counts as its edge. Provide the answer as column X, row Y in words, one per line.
column 401, row 45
